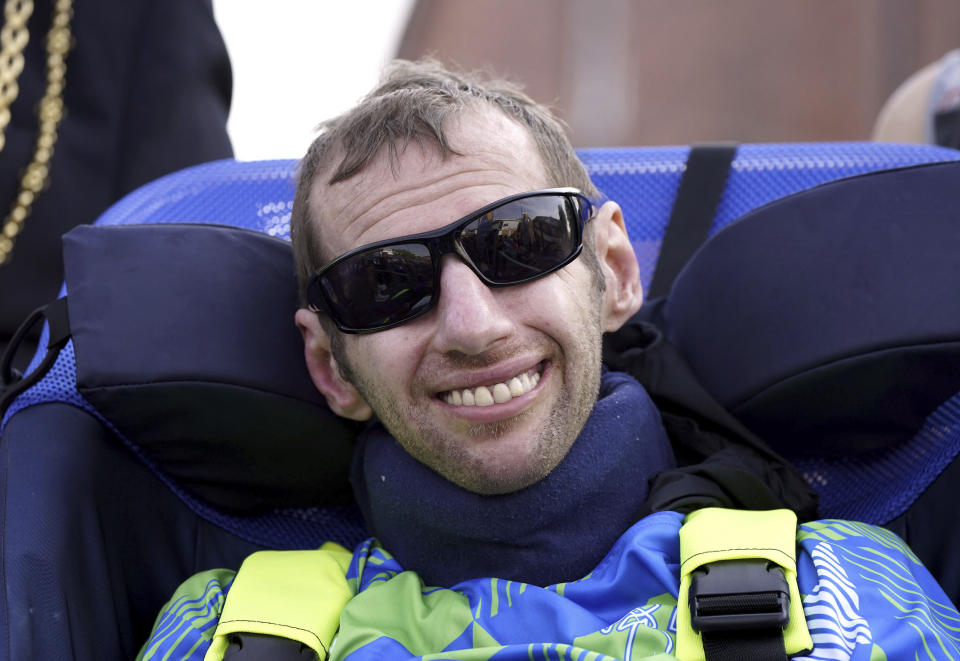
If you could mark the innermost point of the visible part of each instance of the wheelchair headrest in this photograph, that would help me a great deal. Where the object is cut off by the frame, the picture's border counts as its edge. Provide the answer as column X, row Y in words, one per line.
column 185, row 342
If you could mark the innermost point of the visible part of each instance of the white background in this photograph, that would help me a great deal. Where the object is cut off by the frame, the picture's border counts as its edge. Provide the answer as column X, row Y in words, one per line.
column 298, row 62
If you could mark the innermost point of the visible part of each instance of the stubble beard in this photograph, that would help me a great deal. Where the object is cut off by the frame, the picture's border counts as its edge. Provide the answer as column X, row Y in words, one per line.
column 449, row 456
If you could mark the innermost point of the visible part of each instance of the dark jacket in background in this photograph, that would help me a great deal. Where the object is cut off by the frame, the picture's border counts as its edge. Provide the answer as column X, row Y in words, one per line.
column 147, row 91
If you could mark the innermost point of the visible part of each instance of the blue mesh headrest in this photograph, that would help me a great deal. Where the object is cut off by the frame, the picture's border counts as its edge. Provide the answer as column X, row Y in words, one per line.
column 829, row 321
column 185, row 343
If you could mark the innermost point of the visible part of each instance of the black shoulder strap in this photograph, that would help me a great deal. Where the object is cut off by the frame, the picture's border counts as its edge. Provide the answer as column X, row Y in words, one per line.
column 693, row 210
column 11, row 382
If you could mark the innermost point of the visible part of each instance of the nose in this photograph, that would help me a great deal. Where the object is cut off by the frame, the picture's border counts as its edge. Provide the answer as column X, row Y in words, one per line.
column 470, row 318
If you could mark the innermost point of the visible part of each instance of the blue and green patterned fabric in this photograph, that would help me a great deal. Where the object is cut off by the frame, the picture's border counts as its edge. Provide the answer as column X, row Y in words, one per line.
column 865, row 597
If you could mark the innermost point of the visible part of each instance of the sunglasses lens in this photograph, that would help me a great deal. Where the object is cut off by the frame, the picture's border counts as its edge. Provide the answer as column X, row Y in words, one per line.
column 523, row 239
column 381, row 286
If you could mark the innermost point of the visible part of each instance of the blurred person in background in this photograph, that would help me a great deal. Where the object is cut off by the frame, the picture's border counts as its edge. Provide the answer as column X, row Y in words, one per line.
column 925, row 108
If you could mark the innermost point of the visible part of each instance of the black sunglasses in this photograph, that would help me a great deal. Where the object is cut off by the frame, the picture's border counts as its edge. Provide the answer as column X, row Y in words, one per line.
column 511, row 241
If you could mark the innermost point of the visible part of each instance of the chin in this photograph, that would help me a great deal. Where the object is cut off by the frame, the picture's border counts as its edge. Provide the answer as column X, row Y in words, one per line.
column 495, row 481
column 496, row 487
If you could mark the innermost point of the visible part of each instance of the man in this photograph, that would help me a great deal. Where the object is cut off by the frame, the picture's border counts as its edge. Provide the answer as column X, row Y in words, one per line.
column 458, row 273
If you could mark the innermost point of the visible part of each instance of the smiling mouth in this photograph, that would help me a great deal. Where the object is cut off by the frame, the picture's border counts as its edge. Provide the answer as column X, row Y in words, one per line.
column 497, row 393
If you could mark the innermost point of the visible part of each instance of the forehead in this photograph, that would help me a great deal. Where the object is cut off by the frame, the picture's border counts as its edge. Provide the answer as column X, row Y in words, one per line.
column 419, row 190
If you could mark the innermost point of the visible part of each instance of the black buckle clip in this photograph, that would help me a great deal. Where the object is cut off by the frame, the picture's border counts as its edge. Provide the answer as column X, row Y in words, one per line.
column 262, row 647
column 750, row 593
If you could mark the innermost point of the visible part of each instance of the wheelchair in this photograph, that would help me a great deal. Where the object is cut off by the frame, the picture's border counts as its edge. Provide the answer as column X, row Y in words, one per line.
column 167, row 423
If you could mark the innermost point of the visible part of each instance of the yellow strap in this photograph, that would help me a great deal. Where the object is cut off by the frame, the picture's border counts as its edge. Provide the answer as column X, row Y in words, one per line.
column 713, row 534
column 290, row 594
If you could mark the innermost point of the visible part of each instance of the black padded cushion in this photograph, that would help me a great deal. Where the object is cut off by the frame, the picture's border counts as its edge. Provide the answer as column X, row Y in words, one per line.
column 185, row 342
column 829, row 321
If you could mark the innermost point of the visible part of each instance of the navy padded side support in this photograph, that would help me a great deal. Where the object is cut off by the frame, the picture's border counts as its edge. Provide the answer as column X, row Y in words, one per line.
column 828, row 323
column 818, row 278
column 94, row 543
column 185, row 342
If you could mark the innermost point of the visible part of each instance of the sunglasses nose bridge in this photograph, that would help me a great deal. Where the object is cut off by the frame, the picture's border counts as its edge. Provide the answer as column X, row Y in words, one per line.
column 464, row 257
column 449, row 244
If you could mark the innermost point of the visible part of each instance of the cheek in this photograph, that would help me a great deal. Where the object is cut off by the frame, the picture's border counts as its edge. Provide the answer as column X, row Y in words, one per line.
column 386, row 358
column 560, row 303
column 568, row 290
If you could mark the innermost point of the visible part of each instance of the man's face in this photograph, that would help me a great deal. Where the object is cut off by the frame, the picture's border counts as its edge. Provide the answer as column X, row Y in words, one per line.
column 533, row 348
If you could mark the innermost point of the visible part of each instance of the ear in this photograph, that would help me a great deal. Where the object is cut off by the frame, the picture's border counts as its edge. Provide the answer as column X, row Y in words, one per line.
column 341, row 395
column 624, row 293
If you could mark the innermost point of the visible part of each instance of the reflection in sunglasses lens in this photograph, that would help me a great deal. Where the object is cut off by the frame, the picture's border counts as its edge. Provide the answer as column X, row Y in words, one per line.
column 382, row 285
column 522, row 239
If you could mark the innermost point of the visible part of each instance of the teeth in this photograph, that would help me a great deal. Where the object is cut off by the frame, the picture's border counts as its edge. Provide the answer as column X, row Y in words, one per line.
column 483, row 397
column 499, row 393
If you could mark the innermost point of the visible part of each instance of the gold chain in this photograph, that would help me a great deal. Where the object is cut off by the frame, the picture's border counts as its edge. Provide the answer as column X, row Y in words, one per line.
column 14, row 38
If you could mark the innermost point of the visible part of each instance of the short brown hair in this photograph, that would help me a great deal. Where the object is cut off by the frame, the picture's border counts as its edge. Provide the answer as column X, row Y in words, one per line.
column 411, row 104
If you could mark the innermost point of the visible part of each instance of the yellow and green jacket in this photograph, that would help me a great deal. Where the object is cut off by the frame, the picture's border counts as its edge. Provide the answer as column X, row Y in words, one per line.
column 858, row 593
